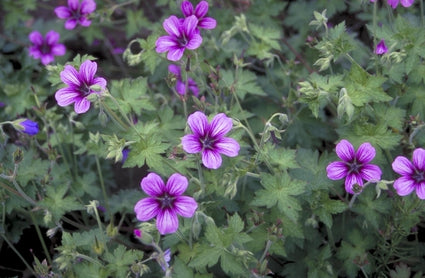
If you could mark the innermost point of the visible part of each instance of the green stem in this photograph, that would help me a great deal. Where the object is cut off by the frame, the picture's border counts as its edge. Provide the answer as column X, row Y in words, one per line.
column 17, row 253
column 102, row 184
column 201, row 177
column 89, row 259
column 40, row 237
column 421, row 3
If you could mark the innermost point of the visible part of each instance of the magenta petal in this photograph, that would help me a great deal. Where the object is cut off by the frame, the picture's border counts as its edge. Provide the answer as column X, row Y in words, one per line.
column 371, row 173
column 207, row 23
column 66, row 96
column 63, row 12
column 84, row 21
column 420, row 190
column 70, row 24
column 220, row 125
column 365, row 153
column 189, row 24
column 198, row 123
column 201, row 9
column 351, row 180
column 153, row 185
column 181, row 87
column 185, row 206
column 36, row 38
column 52, row 37
column 345, row 150
column 167, row 222
column 407, row 3
column 81, row 106
column 70, row 76
column 172, row 26
column 73, row 4
column 146, row 209
column 87, row 6
column 176, row 184
column 336, row 170
column 187, row 8
column 402, row 166
column 35, row 52
column 227, row 146
column 100, row 81
column 194, row 42
column 191, row 143
column 174, row 69
column 58, row 50
column 418, row 159
column 393, row 3
column 211, row 159
column 404, row 185
column 175, row 54
column 88, row 70
column 164, row 44
column 47, row 59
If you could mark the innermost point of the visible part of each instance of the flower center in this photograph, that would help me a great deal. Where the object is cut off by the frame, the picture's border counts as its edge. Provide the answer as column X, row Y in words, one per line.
column 182, row 41
column 207, row 142
column 419, row 176
column 85, row 89
column 166, row 201
column 45, row 48
column 354, row 167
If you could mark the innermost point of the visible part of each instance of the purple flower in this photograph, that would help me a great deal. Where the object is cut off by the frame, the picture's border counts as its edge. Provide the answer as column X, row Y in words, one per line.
column 404, row 3
column 137, row 233
column 45, row 48
column 381, row 48
column 165, row 202
column 180, row 84
column 355, row 166
column 200, row 12
column 166, row 259
column 181, row 35
column 27, row 126
column 76, row 13
column 412, row 174
column 80, row 85
column 208, row 138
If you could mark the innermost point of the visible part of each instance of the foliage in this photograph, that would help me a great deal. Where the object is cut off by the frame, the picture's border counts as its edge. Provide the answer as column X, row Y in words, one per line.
column 295, row 78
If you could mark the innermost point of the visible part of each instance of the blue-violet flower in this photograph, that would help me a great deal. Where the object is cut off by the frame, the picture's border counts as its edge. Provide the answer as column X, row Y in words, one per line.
column 200, row 12
column 208, row 138
column 165, row 202
column 26, row 126
column 404, row 3
column 76, row 13
column 181, row 35
column 412, row 174
column 381, row 48
column 355, row 166
column 80, row 85
column 45, row 48
column 180, row 84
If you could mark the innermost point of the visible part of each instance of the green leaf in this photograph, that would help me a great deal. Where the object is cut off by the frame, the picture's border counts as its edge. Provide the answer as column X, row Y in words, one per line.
column 364, row 88
column 56, row 202
column 278, row 190
column 242, row 83
column 282, row 157
column 120, row 260
column 148, row 150
column 141, row 50
column 131, row 95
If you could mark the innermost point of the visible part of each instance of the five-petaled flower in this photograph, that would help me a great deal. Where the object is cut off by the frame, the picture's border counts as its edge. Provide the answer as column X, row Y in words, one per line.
column 208, row 138
column 26, row 126
column 182, row 34
column 76, row 13
column 180, row 84
column 412, row 174
column 404, row 3
column 381, row 48
column 165, row 202
column 355, row 166
column 45, row 48
column 200, row 12
column 80, row 85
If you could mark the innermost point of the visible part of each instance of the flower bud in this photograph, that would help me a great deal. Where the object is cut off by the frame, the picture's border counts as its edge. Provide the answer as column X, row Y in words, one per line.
column 18, row 156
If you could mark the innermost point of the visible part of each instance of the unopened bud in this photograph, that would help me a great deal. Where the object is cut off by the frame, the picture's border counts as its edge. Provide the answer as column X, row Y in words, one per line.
column 18, row 156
